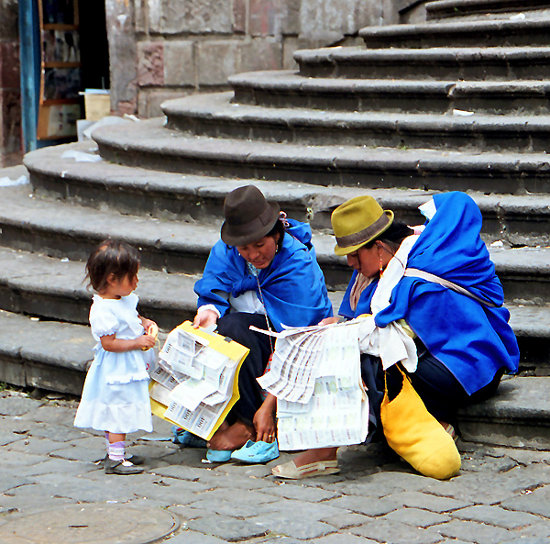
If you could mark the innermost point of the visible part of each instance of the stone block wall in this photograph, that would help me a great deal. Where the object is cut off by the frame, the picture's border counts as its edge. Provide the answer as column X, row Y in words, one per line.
column 162, row 49
column 10, row 95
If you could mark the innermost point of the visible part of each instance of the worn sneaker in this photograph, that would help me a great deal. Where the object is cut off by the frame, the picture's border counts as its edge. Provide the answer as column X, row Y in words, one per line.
column 121, row 467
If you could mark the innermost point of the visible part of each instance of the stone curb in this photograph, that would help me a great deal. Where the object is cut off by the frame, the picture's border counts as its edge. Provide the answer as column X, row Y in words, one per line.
column 514, row 219
column 472, row 63
column 215, row 115
column 433, row 34
column 463, row 8
column 150, row 145
column 56, row 229
column 289, row 89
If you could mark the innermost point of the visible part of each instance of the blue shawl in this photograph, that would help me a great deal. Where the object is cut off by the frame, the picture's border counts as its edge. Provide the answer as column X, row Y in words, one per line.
column 293, row 286
column 472, row 340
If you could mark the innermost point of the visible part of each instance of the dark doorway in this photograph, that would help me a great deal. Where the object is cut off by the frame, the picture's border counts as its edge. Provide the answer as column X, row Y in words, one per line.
column 94, row 49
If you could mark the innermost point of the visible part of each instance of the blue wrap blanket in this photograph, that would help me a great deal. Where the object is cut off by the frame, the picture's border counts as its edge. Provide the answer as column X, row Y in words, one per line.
column 471, row 339
column 293, row 286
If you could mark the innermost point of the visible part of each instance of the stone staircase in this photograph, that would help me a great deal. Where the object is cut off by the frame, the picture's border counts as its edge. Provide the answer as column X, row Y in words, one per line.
column 420, row 109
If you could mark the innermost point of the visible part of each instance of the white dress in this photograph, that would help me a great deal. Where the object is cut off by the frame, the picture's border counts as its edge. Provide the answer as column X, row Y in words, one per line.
column 115, row 397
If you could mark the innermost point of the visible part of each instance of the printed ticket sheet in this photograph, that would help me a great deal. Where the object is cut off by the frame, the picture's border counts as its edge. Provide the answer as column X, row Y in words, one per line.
column 194, row 383
column 315, row 375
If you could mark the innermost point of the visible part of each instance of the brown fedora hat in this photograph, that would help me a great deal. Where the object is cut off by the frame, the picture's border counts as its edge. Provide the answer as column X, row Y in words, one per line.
column 248, row 216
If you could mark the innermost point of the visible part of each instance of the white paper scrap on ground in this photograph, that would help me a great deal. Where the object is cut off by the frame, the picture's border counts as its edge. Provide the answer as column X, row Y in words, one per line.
column 80, row 156
column 8, row 182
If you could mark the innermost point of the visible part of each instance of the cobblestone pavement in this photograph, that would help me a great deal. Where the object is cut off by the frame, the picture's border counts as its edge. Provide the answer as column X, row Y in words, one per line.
column 49, row 484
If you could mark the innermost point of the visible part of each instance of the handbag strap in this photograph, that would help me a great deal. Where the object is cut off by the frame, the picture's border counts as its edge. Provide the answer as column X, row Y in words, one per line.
column 422, row 274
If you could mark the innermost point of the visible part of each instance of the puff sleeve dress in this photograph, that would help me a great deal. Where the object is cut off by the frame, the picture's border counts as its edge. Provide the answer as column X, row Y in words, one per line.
column 115, row 396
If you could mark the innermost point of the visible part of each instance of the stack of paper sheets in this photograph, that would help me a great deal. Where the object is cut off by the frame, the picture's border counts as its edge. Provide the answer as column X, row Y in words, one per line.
column 194, row 383
column 315, row 375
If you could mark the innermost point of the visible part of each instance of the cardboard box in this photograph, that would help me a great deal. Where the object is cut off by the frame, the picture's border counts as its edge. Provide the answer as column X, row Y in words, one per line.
column 97, row 104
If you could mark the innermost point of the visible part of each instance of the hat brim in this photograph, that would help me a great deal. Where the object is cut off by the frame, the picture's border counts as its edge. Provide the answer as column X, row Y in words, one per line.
column 342, row 251
column 254, row 230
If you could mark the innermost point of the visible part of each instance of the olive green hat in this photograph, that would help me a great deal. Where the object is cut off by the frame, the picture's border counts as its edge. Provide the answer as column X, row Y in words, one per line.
column 357, row 222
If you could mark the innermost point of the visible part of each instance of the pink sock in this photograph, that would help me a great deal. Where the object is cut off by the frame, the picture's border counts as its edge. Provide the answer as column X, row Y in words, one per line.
column 116, row 451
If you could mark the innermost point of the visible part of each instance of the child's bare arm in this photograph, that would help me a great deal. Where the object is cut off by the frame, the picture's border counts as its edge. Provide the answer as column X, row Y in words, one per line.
column 112, row 343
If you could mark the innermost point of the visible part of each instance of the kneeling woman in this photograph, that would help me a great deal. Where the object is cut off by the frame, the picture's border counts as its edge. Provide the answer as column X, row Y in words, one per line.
column 446, row 295
column 263, row 272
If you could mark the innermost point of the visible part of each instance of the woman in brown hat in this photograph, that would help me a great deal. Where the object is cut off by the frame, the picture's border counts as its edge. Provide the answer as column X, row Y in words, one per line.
column 439, row 285
column 263, row 272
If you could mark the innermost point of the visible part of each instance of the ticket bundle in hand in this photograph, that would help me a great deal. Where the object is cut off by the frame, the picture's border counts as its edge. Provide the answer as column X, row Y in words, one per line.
column 315, row 375
column 194, row 384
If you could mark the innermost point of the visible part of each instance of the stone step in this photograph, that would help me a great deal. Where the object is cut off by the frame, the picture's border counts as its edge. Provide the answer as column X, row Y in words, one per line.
column 38, row 285
column 518, row 416
column 493, row 32
column 54, row 356
column 149, row 144
column 214, row 115
column 45, row 354
column 514, row 219
column 288, row 89
column 439, row 63
column 531, row 326
column 65, row 230
column 440, row 9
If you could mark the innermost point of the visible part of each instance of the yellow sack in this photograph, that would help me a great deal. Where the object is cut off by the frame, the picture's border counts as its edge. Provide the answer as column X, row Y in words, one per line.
column 414, row 434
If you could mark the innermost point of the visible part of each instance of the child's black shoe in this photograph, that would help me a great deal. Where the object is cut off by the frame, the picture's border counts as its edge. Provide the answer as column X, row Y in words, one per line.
column 121, row 467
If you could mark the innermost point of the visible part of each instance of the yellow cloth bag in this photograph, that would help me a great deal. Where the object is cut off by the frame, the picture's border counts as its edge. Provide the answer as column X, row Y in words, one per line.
column 414, row 434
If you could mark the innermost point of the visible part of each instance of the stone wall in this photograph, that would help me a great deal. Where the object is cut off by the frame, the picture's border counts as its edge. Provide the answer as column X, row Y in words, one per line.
column 162, row 49
column 10, row 95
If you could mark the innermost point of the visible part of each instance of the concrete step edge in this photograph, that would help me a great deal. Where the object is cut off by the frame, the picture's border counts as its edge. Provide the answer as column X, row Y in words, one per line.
column 448, row 27
column 474, row 55
column 216, row 109
column 518, row 416
column 509, row 218
column 292, row 82
column 151, row 145
column 459, row 8
column 55, row 356
column 151, row 137
column 43, row 286
column 66, row 219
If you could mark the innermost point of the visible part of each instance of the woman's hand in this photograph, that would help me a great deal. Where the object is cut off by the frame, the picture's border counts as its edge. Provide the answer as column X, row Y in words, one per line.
column 329, row 320
column 264, row 420
column 204, row 319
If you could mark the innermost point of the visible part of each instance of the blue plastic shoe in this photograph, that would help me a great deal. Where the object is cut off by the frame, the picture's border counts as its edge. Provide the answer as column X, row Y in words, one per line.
column 218, row 456
column 256, row 452
column 187, row 439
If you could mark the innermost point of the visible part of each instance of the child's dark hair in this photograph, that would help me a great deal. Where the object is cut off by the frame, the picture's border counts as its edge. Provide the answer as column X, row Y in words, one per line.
column 111, row 257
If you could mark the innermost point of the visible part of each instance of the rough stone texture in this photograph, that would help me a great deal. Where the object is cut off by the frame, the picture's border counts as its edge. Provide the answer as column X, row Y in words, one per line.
column 263, row 53
column 150, row 63
column 150, row 100
column 272, row 17
column 198, row 44
column 123, row 54
column 330, row 20
column 217, row 60
column 194, row 16
column 179, row 63
column 49, row 466
column 10, row 96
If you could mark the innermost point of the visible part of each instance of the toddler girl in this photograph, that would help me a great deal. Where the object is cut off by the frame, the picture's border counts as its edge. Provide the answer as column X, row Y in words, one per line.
column 115, row 398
